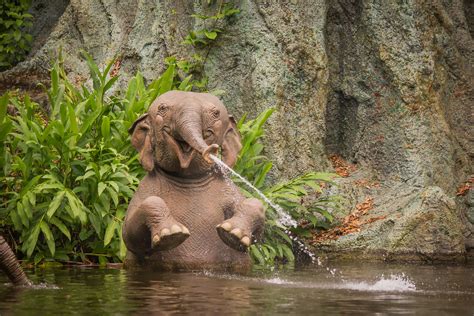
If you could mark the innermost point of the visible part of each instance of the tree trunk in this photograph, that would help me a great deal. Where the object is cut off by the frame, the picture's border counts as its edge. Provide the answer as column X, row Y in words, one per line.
column 10, row 265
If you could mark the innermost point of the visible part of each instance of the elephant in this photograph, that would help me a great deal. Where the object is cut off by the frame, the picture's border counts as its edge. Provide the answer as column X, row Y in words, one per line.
column 186, row 214
column 10, row 265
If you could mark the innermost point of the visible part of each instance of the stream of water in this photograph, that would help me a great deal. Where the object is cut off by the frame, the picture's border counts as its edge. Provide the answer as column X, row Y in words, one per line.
column 283, row 217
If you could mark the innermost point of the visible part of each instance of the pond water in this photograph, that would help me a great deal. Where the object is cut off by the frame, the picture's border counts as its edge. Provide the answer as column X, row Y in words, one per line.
column 343, row 289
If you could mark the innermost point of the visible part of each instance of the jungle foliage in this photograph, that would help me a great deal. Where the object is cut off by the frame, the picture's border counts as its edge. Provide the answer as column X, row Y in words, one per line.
column 15, row 41
column 68, row 173
column 304, row 197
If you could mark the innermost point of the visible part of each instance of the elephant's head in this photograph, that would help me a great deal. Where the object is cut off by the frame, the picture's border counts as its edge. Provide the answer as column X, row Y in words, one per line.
column 180, row 132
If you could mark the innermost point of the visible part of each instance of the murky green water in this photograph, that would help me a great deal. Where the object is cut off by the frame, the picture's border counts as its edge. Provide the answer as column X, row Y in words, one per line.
column 353, row 289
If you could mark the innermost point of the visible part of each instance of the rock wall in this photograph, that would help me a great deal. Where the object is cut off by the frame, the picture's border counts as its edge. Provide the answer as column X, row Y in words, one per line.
column 387, row 85
column 400, row 107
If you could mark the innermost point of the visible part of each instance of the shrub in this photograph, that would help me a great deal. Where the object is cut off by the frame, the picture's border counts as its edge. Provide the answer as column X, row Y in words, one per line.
column 14, row 40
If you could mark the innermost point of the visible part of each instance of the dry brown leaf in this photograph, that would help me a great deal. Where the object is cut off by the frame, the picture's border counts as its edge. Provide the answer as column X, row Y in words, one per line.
column 341, row 166
column 465, row 187
column 351, row 223
column 116, row 69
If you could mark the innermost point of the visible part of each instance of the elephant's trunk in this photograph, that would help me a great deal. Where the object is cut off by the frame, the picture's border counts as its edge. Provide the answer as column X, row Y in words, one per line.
column 10, row 265
column 189, row 128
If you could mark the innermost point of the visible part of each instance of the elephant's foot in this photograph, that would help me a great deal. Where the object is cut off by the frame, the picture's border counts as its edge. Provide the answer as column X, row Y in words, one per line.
column 168, row 235
column 233, row 236
column 239, row 231
column 151, row 227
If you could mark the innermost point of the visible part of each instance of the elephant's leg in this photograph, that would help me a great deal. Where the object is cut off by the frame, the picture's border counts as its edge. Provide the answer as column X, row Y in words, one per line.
column 245, row 226
column 152, row 227
column 10, row 265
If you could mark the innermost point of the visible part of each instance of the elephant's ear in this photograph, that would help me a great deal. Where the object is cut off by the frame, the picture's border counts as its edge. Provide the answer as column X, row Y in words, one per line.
column 231, row 145
column 140, row 136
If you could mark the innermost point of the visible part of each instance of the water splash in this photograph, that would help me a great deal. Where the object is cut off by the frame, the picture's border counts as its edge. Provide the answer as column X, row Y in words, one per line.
column 38, row 286
column 278, row 281
column 395, row 283
column 43, row 286
column 284, row 218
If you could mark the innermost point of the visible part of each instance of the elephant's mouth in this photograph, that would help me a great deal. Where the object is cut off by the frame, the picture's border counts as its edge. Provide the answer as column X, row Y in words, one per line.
column 182, row 149
column 185, row 147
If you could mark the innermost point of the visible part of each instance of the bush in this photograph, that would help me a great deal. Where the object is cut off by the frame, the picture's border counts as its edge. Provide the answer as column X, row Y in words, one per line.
column 14, row 40
column 68, row 174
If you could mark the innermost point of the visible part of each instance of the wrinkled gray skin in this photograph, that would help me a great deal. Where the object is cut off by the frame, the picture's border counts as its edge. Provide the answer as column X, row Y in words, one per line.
column 10, row 265
column 185, row 213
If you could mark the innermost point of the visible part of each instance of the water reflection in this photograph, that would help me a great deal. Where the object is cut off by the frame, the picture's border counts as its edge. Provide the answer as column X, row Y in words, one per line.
column 362, row 289
column 186, row 293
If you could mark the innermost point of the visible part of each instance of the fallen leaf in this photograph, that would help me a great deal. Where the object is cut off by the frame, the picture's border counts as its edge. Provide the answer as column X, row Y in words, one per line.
column 351, row 223
column 341, row 166
column 465, row 187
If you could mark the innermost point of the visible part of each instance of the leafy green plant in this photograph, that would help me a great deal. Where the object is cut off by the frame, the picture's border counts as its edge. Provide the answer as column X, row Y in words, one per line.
column 303, row 197
column 69, row 173
column 15, row 42
column 209, row 32
column 202, row 39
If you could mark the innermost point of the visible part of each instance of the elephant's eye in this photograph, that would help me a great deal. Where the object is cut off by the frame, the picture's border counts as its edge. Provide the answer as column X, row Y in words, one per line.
column 208, row 133
column 215, row 113
column 162, row 109
column 167, row 129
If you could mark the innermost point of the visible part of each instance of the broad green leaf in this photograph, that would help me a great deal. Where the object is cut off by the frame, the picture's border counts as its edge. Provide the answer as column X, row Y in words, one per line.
column 3, row 106
column 87, row 175
column 183, row 86
column 288, row 253
column 166, row 82
column 105, row 127
column 110, row 83
column 255, row 252
column 96, row 223
column 60, row 225
column 72, row 119
column 113, row 194
column 32, row 240
column 48, row 236
column 210, row 34
column 100, row 188
column 93, row 69
column 109, row 232
column 114, row 185
column 55, row 203
column 103, row 260
column 123, row 248
column 75, row 206
column 5, row 128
